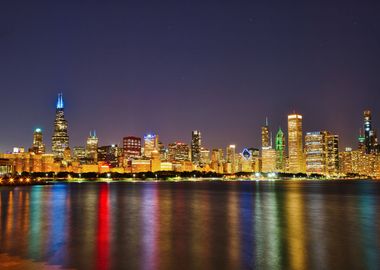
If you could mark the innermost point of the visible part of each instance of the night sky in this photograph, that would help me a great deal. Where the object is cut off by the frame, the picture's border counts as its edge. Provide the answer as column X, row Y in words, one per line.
column 130, row 67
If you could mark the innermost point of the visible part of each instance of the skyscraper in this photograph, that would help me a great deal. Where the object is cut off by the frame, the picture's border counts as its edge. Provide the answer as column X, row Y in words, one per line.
column 265, row 136
column 280, row 151
column 92, row 148
column 332, row 157
column 179, row 152
column 316, row 152
column 196, row 147
column 150, row 144
column 132, row 147
column 295, row 148
column 370, row 138
column 38, row 147
column 60, row 139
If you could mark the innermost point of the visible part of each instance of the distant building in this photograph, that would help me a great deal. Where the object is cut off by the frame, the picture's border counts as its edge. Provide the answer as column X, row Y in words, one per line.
column 370, row 138
column 265, row 135
column 79, row 154
column 150, row 144
column 280, row 151
column 38, row 146
column 92, row 148
column 60, row 139
column 230, row 166
column 322, row 155
column 204, row 156
column 196, row 145
column 110, row 155
column 179, row 151
column 316, row 152
column 131, row 147
column 295, row 145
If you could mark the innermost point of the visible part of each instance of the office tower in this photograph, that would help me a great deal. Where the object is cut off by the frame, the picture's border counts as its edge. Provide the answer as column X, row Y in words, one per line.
column 109, row 154
column 150, row 144
column 280, row 151
column 332, row 155
column 196, row 147
column 268, row 154
column 322, row 154
column 178, row 151
column 231, row 158
column 79, row 154
column 38, row 147
column 217, row 155
column 131, row 147
column 268, row 159
column 60, row 139
column 361, row 141
column 370, row 138
column 265, row 140
column 316, row 152
column 92, row 148
column 295, row 147
column 204, row 156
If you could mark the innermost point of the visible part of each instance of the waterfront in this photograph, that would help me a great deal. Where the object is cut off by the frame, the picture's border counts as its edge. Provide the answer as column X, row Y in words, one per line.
column 193, row 225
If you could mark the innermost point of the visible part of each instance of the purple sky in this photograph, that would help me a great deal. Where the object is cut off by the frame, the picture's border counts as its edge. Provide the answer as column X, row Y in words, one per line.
column 130, row 67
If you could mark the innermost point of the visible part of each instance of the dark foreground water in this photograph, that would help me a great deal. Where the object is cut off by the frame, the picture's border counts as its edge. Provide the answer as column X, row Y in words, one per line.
column 191, row 225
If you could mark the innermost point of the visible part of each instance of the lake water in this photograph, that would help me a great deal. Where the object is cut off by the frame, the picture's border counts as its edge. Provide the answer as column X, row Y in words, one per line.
column 191, row 225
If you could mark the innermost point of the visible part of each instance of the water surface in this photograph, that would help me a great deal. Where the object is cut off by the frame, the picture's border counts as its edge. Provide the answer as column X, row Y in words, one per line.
column 192, row 225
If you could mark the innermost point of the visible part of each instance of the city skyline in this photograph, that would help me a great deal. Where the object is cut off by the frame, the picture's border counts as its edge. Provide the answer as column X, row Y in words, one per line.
column 270, row 136
column 130, row 68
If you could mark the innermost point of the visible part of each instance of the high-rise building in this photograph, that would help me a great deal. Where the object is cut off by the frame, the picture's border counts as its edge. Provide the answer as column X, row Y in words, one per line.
column 150, row 144
column 280, row 151
column 132, row 147
column 179, row 151
column 109, row 154
column 322, row 154
column 295, row 147
column 205, row 156
column 196, row 147
column 60, row 139
column 79, row 154
column 92, row 147
column 231, row 158
column 265, row 135
column 370, row 138
column 332, row 156
column 38, row 147
column 316, row 152
column 268, row 157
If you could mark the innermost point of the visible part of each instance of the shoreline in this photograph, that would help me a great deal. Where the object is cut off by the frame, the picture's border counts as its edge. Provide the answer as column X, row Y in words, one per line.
column 51, row 181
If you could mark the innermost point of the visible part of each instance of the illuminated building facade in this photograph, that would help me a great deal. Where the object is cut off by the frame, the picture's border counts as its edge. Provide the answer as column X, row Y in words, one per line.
column 230, row 166
column 38, row 146
column 332, row 155
column 92, row 148
column 316, row 152
column 110, row 155
column 196, row 145
column 60, row 139
column 132, row 147
column 295, row 146
column 265, row 135
column 150, row 144
column 370, row 138
column 79, row 154
column 280, row 151
column 179, row 151
column 268, row 156
column 204, row 156
column 322, row 153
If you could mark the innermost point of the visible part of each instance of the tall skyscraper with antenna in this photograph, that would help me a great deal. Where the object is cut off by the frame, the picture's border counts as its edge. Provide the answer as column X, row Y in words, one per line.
column 60, row 139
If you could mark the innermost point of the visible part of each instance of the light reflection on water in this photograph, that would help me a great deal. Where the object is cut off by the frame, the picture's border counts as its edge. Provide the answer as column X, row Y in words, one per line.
column 194, row 225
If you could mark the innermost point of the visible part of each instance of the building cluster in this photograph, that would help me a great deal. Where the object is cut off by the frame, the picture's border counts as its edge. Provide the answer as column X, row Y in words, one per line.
column 316, row 153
